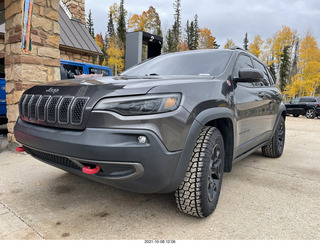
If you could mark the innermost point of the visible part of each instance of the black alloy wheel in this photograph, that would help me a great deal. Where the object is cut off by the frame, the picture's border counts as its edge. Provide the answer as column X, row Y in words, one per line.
column 199, row 191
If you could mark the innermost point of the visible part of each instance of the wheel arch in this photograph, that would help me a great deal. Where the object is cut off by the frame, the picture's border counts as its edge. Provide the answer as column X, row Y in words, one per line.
column 225, row 126
column 218, row 117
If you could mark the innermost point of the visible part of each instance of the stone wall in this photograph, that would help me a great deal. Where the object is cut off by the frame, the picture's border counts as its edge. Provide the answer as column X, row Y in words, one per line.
column 2, row 48
column 77, row 9
column 73, row 56
column 24, row 70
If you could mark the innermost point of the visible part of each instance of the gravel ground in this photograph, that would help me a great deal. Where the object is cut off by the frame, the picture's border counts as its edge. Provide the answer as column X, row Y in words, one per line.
column 261, row 198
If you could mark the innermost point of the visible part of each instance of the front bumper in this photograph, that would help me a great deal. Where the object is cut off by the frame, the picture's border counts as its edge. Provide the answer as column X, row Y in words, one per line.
column 125, row 163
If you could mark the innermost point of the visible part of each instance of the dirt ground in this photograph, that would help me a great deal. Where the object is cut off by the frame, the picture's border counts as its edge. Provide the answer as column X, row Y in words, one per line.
column 261, row 198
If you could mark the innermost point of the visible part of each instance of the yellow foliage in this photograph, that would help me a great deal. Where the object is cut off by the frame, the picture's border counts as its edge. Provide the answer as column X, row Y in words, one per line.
column 183, row 46
column 206, row 40
column 308, row 80
column 230, row 43
column 104, row 63
column 148, row 21
column 283, row 38
column 255, row 46
column 309, row 50
column 114, row 10
column 116, row 52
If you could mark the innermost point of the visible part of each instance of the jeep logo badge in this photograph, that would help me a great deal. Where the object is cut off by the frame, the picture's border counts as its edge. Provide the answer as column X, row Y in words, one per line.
column 52, row 90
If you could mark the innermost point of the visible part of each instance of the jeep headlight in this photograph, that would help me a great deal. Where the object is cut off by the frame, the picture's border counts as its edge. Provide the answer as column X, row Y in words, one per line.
column 140, row 105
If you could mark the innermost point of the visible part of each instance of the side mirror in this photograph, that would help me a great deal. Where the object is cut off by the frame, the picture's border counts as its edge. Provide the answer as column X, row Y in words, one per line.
column 250, row 75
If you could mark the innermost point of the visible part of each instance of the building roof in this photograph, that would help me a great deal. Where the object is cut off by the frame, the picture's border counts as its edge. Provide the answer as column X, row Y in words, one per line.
column 74, row 35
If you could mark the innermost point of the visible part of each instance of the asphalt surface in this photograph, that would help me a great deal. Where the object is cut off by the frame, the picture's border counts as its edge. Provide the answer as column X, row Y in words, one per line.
column 261, row 198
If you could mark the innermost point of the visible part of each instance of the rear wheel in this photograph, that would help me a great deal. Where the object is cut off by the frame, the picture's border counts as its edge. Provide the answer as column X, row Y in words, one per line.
column 310, row 114
column 275, row 148
column 199, row 191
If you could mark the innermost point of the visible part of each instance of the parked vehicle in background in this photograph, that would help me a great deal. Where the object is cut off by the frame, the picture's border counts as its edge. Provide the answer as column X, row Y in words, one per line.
column 308, row 106
column 72, row 69
column 3, row 104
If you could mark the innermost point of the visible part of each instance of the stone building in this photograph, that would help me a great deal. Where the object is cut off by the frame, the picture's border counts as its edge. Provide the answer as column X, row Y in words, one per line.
column 58, row 33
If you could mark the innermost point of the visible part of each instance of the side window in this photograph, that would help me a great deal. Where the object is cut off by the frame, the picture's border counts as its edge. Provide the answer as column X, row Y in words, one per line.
column 68, row 71
column 271, row 77
column 295, row 101
column 261, row 67
column 243, row 61
column 307, row 99
column 98, row 71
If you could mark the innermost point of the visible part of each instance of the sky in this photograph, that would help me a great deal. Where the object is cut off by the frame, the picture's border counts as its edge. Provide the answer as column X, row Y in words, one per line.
column 227, row 19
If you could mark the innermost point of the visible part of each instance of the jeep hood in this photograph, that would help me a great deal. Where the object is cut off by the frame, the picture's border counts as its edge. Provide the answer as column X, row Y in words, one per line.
column 110, row 86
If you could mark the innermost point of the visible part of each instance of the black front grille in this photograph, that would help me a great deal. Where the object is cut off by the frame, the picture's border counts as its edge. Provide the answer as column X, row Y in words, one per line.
column 76, row 111
column 33, row 104
column 50, row 158
column 52, row 109
column 64, row 109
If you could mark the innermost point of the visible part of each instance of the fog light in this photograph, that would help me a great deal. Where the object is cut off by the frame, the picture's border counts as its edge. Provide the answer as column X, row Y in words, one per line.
column 142, row 139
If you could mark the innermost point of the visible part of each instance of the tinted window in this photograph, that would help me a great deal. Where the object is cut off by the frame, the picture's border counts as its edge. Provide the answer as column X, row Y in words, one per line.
column 98, row 71
column 242, row 62
column 2, row 68
column 264, row 71
column 184, row 63
column 308, row 99
column 271, row 77
column 295, row 101
column 69, row 71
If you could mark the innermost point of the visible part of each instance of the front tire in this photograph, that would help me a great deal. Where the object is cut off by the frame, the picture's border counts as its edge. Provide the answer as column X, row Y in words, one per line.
column 199, row 191
column 275, row 148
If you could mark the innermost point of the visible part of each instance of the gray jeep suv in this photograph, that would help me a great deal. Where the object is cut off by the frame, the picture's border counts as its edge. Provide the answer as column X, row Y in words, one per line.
column 172, row 124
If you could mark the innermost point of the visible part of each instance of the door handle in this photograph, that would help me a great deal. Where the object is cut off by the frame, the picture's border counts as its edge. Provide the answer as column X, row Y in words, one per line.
column 261, row 94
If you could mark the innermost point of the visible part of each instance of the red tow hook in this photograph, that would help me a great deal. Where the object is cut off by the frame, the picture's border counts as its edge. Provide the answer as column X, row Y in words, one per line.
column 87, row 170
column 20, row 149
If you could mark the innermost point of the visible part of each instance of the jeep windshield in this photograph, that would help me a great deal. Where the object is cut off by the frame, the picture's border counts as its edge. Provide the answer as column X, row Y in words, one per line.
column 198, row 63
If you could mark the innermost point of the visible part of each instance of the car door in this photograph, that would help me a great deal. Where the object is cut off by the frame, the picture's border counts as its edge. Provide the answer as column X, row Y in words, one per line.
column 301, row 107
column 292, row 106
column 253, row 110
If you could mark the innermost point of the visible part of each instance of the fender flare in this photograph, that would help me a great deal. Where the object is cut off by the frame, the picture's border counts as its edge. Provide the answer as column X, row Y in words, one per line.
column 199, row 122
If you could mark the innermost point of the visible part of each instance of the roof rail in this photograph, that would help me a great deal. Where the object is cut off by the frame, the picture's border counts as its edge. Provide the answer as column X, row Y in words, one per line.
column 237, row 48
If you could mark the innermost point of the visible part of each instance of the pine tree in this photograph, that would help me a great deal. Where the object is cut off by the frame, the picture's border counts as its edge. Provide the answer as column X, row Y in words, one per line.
column 285, row 64
column 89, row 24
column 110, row 25
column 176, row 28
column 121, row 30
column 196, row 33
column 246, row 42
column 190, row 35
column 169, row 46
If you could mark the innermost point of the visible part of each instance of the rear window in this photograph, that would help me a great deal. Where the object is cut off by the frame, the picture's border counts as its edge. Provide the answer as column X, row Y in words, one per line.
column 210, row 63
column 69, row 71
column 98, row 71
